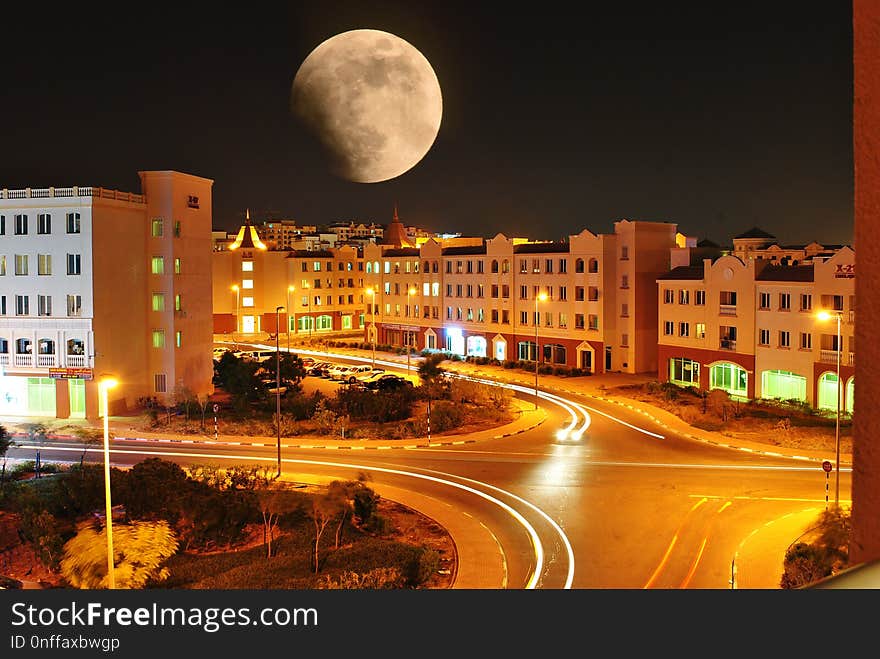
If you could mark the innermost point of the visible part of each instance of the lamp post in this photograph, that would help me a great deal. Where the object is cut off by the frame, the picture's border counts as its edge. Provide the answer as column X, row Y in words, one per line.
column 825, row 315
column 104, row 386
column 539, row 297
column 278, row 310
column 372, row 293
column 235, row 288
column 290, row 289
column 409, row 293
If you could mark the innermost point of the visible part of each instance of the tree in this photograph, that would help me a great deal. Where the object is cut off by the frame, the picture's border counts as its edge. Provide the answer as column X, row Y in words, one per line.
column 88, row 437
column 325, row 507
column 238, row 377
column 139, row 549
column 275, row 501
column 429, row 369
column 827, row 554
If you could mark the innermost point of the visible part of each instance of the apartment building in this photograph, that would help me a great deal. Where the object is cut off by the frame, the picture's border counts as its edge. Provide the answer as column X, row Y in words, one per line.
column 97, row 282
column 752, row 326
column 321, row 291
column 589, row 302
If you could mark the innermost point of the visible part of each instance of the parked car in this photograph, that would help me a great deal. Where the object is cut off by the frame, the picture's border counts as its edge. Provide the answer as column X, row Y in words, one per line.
column 389, row 382
column 354, row 372
column 339, row 371
column 269, row 383
column 307, row 362
column 366, row 378
column 319, row 369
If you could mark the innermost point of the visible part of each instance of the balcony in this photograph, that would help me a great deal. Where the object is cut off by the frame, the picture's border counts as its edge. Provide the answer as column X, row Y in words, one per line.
column 728, row 344
column 26, row 361
column 4, row 359
column 830, row 357
column 727, row 310
column 46, row 361
column 76, row 361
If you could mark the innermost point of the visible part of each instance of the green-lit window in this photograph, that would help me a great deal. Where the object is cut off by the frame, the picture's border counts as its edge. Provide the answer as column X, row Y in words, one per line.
column 730, row 377
column 159, row 338
column 157, row 227
column 346, row 322
column 158, row 265
column 177, row 304
column 325, row 323
column 158, row 302
column 784, row 385
column 684, row 371
column 177, row 266
column 178, row 338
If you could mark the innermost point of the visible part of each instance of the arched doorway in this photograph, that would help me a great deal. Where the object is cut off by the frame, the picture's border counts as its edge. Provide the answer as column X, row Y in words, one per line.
column 499, row 348
column 849, row 398
column 827, row 392
column 476, row 346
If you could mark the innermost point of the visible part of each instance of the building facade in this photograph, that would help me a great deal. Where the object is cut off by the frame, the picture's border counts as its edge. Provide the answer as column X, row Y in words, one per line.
column 754, row 327
column 97, row 282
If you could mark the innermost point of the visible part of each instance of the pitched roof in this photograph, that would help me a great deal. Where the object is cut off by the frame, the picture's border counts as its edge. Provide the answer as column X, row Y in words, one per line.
column 774, row 272
column 755, row 232
column 684, row 272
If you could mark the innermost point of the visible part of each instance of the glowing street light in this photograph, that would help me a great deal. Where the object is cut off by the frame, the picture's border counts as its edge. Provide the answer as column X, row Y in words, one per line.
column 290, row 289
column 278, row 310
column 826, row 315
column 104, row 385
column 409, row 293
column 372, row 293
column 540, row 297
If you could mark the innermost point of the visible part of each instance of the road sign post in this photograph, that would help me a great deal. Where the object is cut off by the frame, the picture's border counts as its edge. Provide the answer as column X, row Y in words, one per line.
column 216, row 409
column 826, row 467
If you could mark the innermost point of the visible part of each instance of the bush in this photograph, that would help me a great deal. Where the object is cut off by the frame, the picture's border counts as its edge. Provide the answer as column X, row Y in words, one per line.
column 446, row 415
column 421, row 567
column 381, row 578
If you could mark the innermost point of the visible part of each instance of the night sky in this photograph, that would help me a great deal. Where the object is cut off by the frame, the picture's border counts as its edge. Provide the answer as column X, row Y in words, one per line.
column 716, row 116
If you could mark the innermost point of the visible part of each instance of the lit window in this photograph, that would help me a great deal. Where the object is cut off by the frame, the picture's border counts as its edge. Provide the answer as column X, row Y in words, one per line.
column 178, row 338
column 157, row 227
column 247, row 266
column 177, row 266
column 158, row 265
column 158, row 302
column 159, row 338
column 247, row 283
column 247, row 301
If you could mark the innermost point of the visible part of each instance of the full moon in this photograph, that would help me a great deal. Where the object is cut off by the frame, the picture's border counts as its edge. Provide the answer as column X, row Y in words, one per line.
column 372, row 100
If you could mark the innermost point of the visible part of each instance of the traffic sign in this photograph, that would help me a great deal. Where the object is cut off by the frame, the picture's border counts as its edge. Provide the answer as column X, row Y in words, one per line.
column 826, row 465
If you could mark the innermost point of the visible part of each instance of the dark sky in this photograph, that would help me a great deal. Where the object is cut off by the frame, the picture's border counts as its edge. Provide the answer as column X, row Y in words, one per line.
column 716, row 116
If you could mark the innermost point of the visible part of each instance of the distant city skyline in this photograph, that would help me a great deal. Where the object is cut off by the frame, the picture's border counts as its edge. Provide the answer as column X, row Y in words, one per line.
column 715, row 118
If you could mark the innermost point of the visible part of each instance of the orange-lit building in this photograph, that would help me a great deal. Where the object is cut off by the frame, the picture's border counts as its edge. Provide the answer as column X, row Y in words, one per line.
column 97, row 282
column 748, row 322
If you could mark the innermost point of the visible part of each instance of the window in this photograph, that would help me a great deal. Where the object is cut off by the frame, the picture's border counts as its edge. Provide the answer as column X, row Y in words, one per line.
column 44, row 224
column 178, row 338
column 579, row 265
column 700, row 330
column 73, row 223
column 2, row 265
column 624, row 340
column 247, row 283
column 505, row 317
column 784, row 339
column 177, row 234
column 548, row 266
column 764, row 337
column 493, row 315
column 22, row 305
column 158, row 338
column 44, row 264
column 21, row 264
column 505, row 266
column 728, row 298
column 249, row 301
column 700, row 298
column 159, row 383
column 493, row 268
column 21, row 225
column 177, row 266
column 579, row 321
column 624, row 281
column 74, row 305
column 523, row 292
column 481, row 290
column 668, row 328
column 158, row 265
column 523, row 317
column 74, row 264
column 593, row 294
column 624, row 253
column 523, row 266
column 684, row 296
column 505, row 291
column 493, row 291
column 579, row 293
column 684, row 371
column 593, row 265
column 668, row 296
column 684, row 329
column 764, row 301
column 158, row 302
column 806, row 341
column 563, row 266
column 248, row 266
column 563, row 319
column 832, row 302
column 593, row 321
column 806, row 302
column 624, row 311
column 2, row 306
column 2, row 225
column 157, row 227
column 44, row 305
column 785, row 301
column 435, row 289
column 316, row 266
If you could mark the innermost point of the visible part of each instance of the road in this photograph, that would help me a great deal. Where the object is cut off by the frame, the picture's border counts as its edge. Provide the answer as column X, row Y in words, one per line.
column 626, row 506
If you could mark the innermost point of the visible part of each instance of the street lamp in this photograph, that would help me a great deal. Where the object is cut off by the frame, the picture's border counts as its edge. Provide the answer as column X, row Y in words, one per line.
column 409, row 293
column 539, row 297
column 825, row 315
column 278, row 310
column 372, row 293
column 290, row 289
column 104, row 385
column 235, row 288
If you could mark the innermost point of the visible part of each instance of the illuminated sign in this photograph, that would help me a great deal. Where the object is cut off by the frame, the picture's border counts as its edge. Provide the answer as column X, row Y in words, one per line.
column 71, row 373
column 845, row 271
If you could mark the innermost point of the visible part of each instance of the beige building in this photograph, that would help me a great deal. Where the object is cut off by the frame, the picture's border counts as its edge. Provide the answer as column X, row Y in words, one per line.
column 97, row 282
column 752, row 327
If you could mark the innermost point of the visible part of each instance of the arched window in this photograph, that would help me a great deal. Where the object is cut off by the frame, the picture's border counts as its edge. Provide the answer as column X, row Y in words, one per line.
column 46, row 346
column 505, row 266
column 730, row 377
column 579, row 265
column 4, row 347
column 827, row 395
column 850, row 395
column 369, row 267
column 23, row 346
column 594, row 266
column 75, row 347
column 494, row 266
column 427, row 266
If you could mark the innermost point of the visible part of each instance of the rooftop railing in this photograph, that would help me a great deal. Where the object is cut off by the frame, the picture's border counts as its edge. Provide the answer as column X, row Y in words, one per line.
column 75, row 191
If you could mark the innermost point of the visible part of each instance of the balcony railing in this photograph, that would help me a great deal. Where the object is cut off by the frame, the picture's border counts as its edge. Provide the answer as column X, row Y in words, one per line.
column 727, row 310
column 24, row 360
column 45, row 361
column 728, row 344
column 76, row 361
column 43, row 193
column 830, row 357
column 4, row 360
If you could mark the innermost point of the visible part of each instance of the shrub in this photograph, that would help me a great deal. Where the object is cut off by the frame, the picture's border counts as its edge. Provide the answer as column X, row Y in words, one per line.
column 421, row 567
column 446, row 415
column 381, row 578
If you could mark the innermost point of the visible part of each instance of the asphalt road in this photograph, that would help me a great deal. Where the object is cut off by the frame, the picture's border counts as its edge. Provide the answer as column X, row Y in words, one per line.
column 626, row 506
